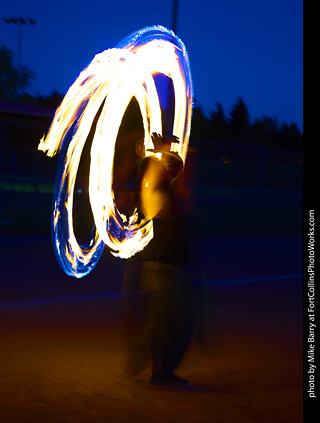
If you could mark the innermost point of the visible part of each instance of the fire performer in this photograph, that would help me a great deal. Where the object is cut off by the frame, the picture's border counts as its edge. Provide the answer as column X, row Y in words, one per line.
column 160, row 321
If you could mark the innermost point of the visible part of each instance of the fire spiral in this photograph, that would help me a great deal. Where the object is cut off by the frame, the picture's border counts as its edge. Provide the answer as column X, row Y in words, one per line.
column 109, row 83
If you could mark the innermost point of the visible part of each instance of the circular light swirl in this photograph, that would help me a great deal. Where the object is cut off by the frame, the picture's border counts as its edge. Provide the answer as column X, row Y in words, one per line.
column 109, row 82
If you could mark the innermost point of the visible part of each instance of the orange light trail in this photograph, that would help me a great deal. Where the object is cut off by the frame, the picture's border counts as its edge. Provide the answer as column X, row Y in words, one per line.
column 110, row 82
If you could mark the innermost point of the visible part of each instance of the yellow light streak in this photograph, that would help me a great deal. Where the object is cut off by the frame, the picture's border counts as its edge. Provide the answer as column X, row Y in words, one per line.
column 111, row 80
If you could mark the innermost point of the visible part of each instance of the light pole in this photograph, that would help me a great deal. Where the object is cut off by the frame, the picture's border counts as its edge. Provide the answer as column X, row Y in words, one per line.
column 20, row 22
column 174, row 16
column 170, row 94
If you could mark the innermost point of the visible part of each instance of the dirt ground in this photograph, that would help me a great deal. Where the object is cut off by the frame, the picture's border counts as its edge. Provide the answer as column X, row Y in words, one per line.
column 62, row 361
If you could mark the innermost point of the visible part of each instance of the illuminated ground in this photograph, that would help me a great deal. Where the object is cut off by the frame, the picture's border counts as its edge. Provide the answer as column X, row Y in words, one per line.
column 62, row 357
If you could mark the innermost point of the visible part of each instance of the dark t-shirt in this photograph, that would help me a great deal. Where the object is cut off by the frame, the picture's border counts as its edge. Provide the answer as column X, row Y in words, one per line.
column 169, row 243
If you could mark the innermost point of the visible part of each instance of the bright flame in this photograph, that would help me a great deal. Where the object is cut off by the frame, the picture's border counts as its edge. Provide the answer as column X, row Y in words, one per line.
column 114, row 77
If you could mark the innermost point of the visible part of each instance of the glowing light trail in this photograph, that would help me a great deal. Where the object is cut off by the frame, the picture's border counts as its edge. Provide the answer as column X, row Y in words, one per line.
column 110, row 81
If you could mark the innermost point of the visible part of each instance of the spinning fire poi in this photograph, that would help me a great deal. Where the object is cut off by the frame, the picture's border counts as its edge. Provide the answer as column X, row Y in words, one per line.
column 109, row 82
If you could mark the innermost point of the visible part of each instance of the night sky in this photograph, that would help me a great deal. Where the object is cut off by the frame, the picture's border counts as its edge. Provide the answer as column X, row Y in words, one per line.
column 237, row 48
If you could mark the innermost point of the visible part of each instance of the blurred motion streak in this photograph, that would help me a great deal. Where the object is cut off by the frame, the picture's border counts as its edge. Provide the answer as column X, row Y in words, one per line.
column 103, row 90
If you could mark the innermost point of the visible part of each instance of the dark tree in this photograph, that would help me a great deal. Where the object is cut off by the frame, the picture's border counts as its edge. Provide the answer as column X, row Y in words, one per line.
column 265, row 132
column 200, row 124
column 239, row 122
column 13, row 79
column 290, row 136
column 218, row 125
column 53, row 100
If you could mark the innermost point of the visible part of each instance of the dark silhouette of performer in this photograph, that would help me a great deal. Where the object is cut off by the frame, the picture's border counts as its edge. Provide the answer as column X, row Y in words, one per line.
column 159, row 321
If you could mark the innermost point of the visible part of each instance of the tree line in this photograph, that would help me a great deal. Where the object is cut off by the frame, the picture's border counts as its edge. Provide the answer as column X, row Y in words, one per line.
column 236, row 127
column 15, row 80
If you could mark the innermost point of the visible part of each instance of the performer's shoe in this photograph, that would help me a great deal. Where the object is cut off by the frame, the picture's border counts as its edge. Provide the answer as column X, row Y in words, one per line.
column 169, row 380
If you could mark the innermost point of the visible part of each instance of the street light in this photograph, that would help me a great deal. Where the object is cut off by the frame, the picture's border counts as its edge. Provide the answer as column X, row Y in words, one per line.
column 20, row 22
